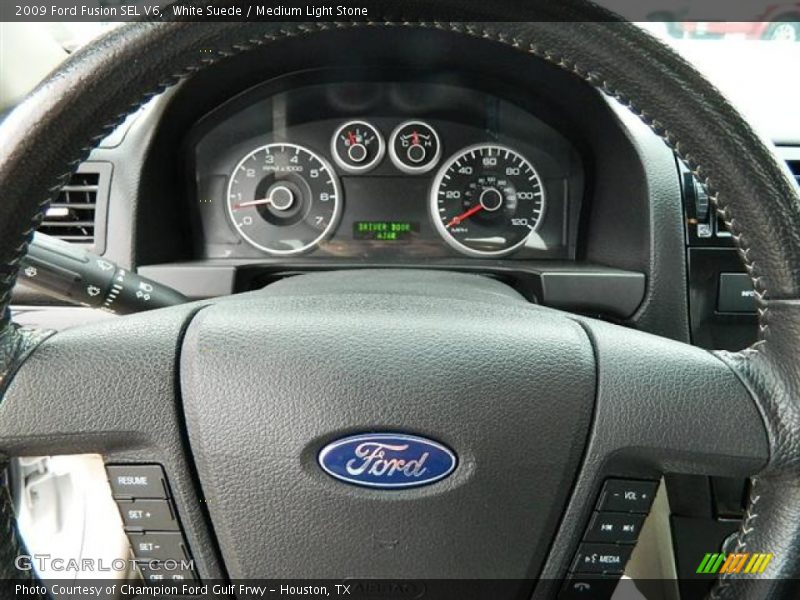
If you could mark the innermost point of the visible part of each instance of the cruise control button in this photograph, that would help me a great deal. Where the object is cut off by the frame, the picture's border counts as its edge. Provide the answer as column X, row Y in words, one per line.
column 601, row 558
column 151, row 515
column 137, row 481
column 158, row 546
column 155, row 572
column 614, row 527
column 621, row 495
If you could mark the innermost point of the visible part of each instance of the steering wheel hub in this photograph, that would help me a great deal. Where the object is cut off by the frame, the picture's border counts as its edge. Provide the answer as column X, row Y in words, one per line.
column 273, row 380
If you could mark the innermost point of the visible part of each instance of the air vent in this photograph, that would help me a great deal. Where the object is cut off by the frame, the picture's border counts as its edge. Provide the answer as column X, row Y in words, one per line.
column 72, row 216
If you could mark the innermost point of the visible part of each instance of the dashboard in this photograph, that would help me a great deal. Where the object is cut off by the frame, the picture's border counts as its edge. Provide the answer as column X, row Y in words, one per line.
column 410, row 149
column 385, row 170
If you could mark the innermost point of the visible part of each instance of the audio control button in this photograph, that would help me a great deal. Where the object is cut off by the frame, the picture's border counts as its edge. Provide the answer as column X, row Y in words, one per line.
column 620, row 528
column 601, row 558
column 622, row 495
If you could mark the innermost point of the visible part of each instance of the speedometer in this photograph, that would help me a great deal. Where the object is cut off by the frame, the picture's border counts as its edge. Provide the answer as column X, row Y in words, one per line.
column 283, row 198
column 487, row 200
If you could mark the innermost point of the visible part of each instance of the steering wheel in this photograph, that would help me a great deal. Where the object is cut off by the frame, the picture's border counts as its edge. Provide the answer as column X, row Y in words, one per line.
column 235, row 397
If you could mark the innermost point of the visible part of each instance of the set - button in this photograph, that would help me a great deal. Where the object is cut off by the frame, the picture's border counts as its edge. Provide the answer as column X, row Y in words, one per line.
column 159, row 546
column 148, row 515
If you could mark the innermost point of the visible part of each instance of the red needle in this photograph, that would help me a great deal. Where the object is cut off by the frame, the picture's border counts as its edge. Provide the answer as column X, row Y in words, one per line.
column 465, row 215
column 352, row 137
column 415, row 138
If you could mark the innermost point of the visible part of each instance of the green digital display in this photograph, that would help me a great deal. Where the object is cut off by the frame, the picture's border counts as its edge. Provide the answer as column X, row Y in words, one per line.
column 384, row 231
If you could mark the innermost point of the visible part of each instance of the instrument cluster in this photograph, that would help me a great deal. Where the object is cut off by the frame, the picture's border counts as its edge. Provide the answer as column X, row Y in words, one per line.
column 383, row 170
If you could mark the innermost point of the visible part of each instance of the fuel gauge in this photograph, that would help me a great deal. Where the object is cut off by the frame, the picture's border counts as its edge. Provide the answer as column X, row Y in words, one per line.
column 357, row 147
column 414, row 147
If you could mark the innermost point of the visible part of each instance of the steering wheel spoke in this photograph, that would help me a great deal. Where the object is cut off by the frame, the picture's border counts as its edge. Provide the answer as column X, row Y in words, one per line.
column 679, row 407
column 104, row 387
column 111, row 388
column 663, row 407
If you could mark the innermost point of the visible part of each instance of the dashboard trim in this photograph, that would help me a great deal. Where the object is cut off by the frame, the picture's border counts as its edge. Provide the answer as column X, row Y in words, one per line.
column 590, row 289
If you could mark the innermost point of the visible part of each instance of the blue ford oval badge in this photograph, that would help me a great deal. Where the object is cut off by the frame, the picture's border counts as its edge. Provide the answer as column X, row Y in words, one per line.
column 387, row 460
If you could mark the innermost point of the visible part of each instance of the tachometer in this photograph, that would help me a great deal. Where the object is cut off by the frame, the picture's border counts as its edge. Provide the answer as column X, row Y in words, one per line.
column 283, row 198
column 487, row 200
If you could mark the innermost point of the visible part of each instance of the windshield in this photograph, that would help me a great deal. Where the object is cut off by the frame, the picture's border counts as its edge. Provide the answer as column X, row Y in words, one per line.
column 753, row 63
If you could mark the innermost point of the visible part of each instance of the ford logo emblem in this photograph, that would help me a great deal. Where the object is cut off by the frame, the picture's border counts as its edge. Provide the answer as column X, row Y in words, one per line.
column 387, row 460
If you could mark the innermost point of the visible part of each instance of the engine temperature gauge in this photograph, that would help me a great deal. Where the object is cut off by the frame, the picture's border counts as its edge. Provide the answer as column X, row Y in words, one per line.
column 414, row 147
column 357, row 147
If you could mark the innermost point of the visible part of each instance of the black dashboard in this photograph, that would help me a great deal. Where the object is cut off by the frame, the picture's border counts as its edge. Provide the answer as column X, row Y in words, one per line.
column 414, row 150
column 382, row 170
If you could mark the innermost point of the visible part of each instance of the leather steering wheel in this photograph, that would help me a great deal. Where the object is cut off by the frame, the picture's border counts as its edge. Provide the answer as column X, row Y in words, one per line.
column 156, row 387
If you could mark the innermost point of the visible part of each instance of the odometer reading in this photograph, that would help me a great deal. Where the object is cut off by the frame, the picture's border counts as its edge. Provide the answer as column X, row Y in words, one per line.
column 487, row 200
column 283, row 198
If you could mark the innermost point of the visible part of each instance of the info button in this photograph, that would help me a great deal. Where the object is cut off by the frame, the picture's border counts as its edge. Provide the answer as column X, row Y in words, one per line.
column 736, row 293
